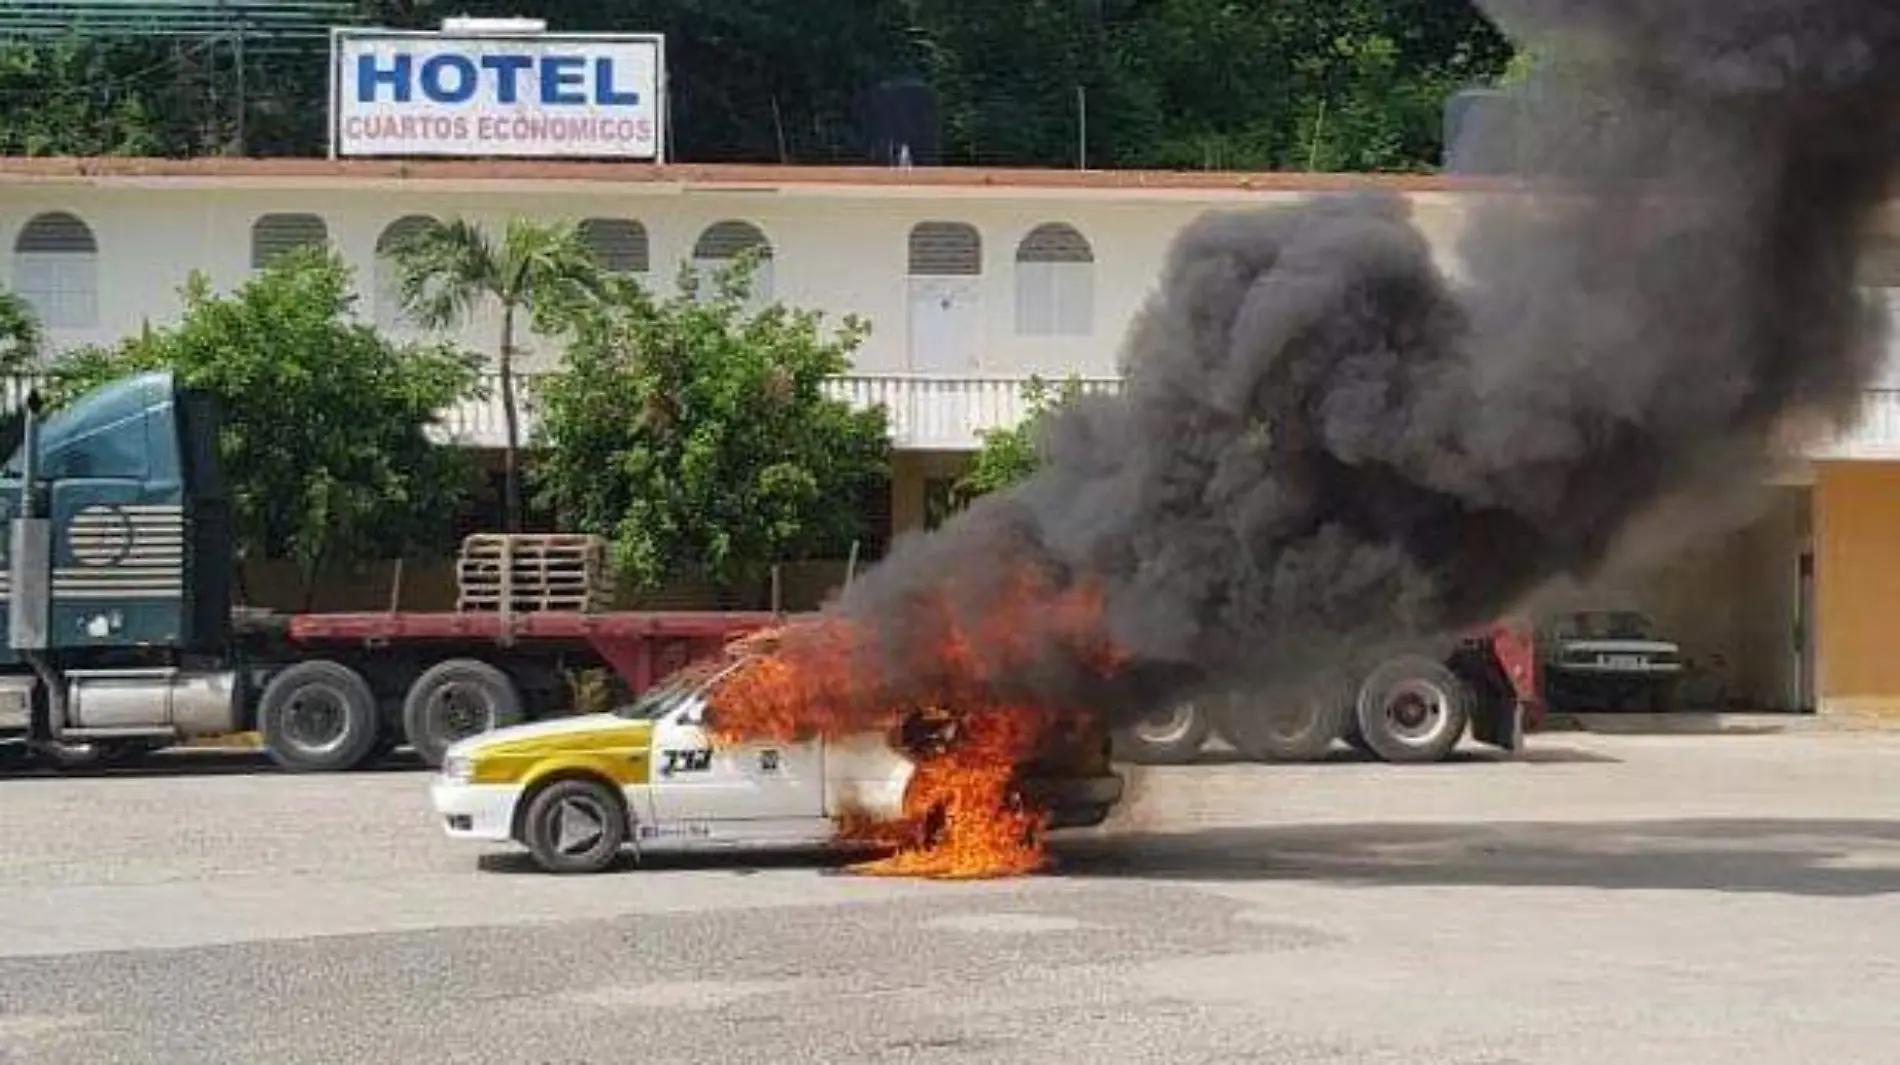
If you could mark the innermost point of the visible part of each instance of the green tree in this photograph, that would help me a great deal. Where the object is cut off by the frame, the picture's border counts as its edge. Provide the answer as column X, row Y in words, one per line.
column 20, row 333
column 73, row 97
column 1011, row 455
column 1332, row 84
column 698, row 438
column 324, row 442
column 449, row 269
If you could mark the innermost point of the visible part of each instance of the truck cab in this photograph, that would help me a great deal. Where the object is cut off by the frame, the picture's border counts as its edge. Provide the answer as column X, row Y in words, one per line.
column 116, row 570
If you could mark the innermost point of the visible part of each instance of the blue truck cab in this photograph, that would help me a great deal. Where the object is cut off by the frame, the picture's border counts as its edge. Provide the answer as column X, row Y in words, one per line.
column 115, row 571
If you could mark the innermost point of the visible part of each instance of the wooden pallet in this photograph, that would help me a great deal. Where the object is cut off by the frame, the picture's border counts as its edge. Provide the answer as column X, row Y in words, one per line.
column 533, row 572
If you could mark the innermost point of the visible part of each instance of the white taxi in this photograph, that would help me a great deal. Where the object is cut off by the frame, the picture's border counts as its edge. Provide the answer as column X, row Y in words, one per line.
column 577, row 791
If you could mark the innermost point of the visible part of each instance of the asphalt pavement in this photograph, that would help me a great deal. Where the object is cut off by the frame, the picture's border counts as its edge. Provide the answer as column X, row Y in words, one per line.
column 1677, row 900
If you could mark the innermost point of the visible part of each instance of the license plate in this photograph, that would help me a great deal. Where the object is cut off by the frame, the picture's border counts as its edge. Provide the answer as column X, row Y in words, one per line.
column 1622, row 661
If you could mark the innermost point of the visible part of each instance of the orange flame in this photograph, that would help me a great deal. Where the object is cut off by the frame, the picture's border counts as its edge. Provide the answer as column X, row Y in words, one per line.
column 962, row 814
column 961, row 818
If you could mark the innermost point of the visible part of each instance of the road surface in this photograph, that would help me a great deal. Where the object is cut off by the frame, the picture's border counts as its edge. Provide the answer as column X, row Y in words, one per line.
column 1677, row 900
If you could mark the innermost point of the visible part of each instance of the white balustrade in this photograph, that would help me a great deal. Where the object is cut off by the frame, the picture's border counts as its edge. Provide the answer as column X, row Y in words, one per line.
column 942, row 413
column 926, row 413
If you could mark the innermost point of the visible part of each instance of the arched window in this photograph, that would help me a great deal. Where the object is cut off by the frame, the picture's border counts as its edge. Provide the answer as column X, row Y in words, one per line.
column 56, row 269
column 723, row 242
column 389, row 312
column 1880, row 277
column 946, row 318
column 1055, row 282
column 945, row 249
column 619, row 243
column 274, row 234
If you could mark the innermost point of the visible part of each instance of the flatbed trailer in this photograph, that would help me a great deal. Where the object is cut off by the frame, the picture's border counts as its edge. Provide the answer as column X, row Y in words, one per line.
column 439, row 677
column 640, row 647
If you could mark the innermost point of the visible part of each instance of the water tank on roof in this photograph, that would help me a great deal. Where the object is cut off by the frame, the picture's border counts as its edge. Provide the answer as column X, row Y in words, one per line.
column 900, row 123
column 1480, row 134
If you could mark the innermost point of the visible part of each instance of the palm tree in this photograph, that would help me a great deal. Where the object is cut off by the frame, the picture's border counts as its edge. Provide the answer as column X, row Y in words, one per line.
column 20, row 335
column 446, row 270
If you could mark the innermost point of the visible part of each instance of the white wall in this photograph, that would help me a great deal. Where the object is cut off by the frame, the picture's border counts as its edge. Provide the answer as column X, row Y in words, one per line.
column 843, row 251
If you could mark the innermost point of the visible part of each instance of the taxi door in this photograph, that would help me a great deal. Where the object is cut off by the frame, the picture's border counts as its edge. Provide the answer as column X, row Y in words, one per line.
column 694, row 780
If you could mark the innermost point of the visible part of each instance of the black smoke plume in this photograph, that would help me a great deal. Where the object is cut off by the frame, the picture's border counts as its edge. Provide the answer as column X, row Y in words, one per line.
column 1325, row 443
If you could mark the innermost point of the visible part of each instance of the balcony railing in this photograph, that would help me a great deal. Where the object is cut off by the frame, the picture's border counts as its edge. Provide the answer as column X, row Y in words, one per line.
column 927, row 413
column 932, row 413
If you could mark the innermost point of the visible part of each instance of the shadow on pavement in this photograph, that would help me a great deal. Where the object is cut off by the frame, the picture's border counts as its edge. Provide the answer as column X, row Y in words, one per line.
column 184, row 762
column 519, row 863
column 1535, row 752
column 1825, row 858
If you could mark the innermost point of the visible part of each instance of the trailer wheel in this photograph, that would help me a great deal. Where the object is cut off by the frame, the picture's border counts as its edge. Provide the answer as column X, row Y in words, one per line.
column 454, row 700
column 1290, row 727
column 318, row 717
column 1354, row 738
column 1172, row 736
column 1412, row 709
column 576, row 825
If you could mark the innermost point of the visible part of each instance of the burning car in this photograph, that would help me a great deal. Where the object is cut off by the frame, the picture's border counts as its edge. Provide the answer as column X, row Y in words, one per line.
column 949, row 794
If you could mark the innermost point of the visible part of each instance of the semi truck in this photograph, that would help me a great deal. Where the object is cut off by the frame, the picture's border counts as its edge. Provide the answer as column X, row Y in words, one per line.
column 1414, row 705
column 116, row 585
column 117, row 589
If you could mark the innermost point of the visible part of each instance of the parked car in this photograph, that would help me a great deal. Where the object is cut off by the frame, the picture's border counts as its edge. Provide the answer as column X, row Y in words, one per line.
column 1608, row 660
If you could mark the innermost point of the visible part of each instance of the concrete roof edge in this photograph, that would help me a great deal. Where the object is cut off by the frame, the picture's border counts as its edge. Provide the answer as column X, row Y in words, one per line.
column 473, row 173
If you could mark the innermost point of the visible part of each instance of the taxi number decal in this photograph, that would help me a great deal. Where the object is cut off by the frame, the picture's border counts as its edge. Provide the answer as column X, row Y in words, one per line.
column 697, row 761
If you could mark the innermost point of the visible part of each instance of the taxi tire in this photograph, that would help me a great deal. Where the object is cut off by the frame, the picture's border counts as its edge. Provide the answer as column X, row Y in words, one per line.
column 540, row 826
column 429, row 734
column 355, row 702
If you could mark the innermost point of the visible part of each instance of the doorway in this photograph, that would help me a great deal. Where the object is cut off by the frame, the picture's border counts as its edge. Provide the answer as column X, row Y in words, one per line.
column 946, row 313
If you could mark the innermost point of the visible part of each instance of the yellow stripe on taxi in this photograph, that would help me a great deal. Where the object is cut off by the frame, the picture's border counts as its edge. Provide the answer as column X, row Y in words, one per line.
column 612, row 748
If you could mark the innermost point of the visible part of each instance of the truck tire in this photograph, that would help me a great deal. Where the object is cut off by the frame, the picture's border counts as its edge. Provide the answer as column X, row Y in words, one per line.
column 576, row 825
column 456, row 699
column 318, row 717
column 1165, row 737
column 1291, row 727
column 1353, row 737
column 1412, row 709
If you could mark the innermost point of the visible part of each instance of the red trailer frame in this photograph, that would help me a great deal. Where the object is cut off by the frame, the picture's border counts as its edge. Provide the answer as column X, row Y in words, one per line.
column 641, row 647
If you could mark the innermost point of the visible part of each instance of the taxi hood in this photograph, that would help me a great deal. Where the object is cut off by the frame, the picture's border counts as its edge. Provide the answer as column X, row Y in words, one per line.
column 550, row 736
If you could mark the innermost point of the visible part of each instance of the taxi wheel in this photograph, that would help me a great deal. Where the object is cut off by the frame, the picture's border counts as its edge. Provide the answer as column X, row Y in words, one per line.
column 575, row 826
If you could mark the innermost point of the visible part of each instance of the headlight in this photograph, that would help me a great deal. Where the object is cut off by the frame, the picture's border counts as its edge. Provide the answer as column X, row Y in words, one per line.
column 458, row 770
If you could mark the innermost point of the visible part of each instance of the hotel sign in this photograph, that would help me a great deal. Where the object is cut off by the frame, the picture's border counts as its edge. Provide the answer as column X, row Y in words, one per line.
column 520, row 95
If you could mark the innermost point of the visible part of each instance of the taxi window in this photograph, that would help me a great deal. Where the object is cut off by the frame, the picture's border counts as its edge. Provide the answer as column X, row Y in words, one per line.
column 657, row 701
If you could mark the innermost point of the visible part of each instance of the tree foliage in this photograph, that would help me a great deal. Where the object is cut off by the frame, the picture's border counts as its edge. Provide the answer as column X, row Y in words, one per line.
column 1011, row 455
column 324, row 445
column 449, row 270
column 697, row 436
column 20, row 333
column 149, row 95
column 1294, row 84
